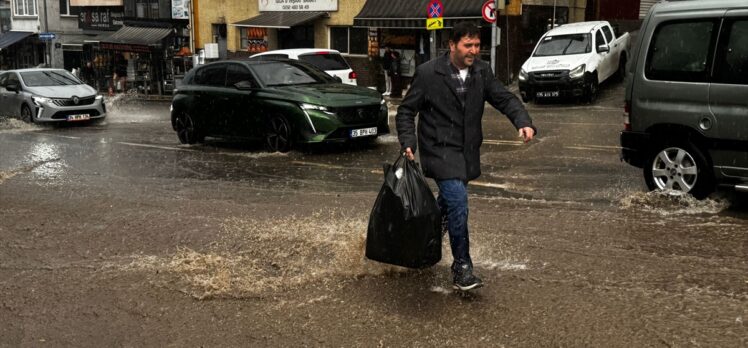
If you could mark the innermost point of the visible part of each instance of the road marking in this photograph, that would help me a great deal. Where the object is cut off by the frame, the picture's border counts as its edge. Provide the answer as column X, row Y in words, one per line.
column 503, row 142
column 323, row 165
column 60, row 136
column 154, row 146
column 593, row 147
column 488, row 184
column 581, row 123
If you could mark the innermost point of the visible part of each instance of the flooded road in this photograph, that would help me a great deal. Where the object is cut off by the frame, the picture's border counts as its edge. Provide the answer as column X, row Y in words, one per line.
column 113, row 234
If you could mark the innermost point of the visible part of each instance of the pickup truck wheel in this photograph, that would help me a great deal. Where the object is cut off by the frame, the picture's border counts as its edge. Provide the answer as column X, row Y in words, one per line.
column 679, row 168
column 621, row 73
column 592, row 88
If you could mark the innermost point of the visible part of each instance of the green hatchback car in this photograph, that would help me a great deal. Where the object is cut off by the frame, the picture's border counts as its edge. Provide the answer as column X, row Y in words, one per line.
column 282, row 102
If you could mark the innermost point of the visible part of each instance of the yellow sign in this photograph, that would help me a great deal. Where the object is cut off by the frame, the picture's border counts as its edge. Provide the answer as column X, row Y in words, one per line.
column 435, row 23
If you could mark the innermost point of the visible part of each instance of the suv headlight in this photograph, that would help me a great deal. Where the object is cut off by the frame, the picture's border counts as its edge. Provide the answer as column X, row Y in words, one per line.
column 577, row 72
column 522, row 75
column 99, row 97
column 41, row 100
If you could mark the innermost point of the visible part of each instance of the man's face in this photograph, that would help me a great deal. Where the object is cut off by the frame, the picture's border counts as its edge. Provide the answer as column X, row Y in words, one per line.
column 463, row 53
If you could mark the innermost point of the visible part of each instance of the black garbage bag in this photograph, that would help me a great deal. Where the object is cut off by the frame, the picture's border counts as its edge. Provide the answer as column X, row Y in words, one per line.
column 405, row 223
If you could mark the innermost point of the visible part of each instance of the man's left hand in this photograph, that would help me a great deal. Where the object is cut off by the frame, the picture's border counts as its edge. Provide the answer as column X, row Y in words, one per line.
column 526, row 133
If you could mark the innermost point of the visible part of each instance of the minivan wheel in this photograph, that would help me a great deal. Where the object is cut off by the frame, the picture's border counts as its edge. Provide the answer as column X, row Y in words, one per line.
column 26, row 115
column 278, row 135
column 680, row 168
column 187, row 130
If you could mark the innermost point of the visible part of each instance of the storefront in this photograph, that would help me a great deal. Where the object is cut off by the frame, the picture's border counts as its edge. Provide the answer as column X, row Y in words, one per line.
column 20, row 49
column 278, row 30
column 137, row 59
column 402, row 27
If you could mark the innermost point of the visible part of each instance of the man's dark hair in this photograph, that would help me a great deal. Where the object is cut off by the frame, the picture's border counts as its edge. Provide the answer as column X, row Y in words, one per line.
column 463, row 29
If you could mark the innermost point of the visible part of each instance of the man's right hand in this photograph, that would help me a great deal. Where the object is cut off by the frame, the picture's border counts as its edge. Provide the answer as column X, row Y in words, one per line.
column 409, row 154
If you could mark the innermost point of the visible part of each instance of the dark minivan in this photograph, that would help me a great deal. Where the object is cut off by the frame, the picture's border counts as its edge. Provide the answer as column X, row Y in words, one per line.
column 686, row 119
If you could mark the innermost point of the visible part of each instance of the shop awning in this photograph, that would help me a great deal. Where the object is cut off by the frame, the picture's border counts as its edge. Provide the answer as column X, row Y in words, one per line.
column 279, row 20
column 11, row 37
column 145, row 36
column 412, row 14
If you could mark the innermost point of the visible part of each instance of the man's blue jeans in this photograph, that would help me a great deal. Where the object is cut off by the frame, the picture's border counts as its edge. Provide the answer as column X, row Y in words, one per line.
column 453, row 202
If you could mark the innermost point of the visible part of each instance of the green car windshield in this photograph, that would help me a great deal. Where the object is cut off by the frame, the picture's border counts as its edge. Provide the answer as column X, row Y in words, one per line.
column 287, row 74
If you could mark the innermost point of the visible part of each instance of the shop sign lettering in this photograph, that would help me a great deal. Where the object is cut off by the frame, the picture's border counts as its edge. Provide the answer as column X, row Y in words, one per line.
column 298, row 5
column 100, row 18
column 124, row 47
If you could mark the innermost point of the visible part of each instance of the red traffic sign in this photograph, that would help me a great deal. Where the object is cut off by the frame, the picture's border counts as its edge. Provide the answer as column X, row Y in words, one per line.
column 489, row 11
column 435, row 9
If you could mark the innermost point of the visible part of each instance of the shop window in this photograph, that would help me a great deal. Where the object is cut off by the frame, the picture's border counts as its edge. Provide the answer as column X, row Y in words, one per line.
column 349, row 40
column 65, row 7
column 25, row 7
column 254, row 40
column 146, row 9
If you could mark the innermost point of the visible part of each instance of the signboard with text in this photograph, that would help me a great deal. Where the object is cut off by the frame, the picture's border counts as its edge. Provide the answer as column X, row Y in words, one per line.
column 180, row 9
column 100, row 18
column 298, row 5
column 97, row 3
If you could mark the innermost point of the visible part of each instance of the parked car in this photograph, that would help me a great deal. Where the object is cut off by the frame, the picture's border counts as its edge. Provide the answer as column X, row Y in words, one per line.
column 328, row 60
column 572, row 60
column 284, row 102
column 686, row 111
column 48, row 95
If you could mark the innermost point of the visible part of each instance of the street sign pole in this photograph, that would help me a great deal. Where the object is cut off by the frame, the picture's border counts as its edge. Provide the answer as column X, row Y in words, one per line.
column 493, row 39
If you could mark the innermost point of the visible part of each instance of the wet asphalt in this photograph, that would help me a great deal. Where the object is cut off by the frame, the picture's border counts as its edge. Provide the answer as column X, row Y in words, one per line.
column 113, row 234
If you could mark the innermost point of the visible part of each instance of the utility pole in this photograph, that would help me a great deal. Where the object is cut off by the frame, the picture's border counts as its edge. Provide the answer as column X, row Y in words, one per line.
column 47, row 53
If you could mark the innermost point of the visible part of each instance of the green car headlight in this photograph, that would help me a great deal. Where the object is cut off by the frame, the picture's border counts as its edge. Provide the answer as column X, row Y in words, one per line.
column 313, row 107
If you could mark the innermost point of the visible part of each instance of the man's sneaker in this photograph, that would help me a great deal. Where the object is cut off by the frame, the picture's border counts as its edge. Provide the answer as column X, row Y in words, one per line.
column 466, row 281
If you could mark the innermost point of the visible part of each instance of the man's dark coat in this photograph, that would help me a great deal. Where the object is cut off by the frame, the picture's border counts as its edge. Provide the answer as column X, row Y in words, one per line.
column 450, row 133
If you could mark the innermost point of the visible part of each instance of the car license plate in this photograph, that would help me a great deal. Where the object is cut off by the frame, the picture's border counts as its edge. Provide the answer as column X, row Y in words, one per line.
column 548, row 94
column 355, row 133
column 81, row 117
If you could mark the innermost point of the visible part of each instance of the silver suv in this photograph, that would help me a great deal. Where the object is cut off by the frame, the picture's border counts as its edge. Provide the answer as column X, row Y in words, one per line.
column 686, row 113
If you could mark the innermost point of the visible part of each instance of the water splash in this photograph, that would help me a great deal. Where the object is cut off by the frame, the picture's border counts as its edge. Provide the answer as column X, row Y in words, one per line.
column 672, row 203
column 14, row 124
column 246, row 262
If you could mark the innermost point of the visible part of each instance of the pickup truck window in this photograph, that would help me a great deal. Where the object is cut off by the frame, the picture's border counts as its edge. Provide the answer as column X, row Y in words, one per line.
column 599, row 40
column 564, row 45
column 679, row 51
column 608, row 34
column 732, row 60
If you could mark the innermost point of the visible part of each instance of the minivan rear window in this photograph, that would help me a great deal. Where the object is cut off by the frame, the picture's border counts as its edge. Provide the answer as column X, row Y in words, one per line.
column 679, row 51
column 326, row 61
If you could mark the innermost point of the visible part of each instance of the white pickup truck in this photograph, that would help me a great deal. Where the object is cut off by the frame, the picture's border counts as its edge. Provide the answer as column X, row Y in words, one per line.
column 572, row 60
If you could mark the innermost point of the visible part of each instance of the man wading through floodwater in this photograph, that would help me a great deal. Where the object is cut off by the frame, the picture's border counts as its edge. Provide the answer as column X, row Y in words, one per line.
column 448, row 93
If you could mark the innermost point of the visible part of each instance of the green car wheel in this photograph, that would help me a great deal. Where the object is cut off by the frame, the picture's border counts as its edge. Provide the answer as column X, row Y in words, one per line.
column 278, row 135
